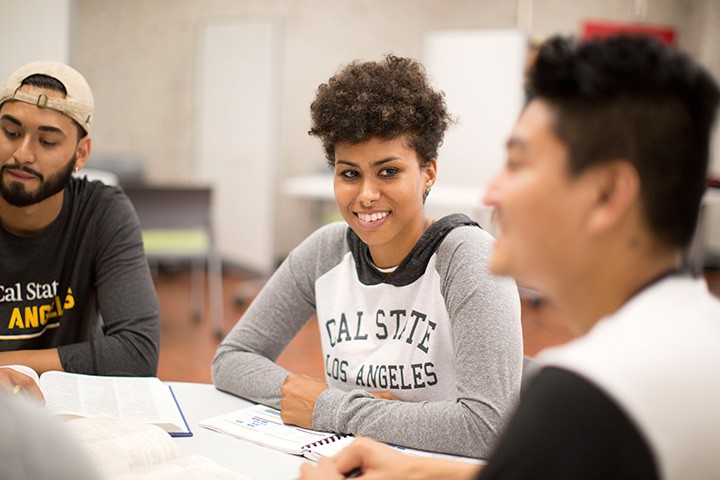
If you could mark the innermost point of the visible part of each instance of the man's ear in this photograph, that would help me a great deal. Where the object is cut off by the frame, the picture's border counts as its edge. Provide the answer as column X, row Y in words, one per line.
column 617, row 195
column 82, row 152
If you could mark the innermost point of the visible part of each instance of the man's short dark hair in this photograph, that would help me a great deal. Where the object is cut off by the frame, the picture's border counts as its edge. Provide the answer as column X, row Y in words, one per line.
column 49, row 83
column 384, row 99
column 633, row 98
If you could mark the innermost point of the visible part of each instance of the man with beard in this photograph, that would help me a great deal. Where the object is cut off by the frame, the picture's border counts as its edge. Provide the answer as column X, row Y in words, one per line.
column 76, row 292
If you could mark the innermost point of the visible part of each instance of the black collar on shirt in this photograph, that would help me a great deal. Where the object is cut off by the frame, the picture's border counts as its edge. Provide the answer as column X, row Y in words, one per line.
column 413, row 266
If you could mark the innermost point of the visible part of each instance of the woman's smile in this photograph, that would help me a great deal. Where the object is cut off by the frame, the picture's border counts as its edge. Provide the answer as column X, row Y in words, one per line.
column 372, row 219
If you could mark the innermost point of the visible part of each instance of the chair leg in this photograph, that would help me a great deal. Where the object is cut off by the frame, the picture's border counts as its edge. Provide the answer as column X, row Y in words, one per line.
column 215, row 287
column 197, row 299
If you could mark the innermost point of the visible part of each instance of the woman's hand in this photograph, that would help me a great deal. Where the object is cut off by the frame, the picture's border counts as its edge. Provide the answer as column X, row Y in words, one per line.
column 298, row 396
column 384, row 395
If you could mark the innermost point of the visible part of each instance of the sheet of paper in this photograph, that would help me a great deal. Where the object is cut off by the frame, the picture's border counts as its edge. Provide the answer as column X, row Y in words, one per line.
column 186, row 468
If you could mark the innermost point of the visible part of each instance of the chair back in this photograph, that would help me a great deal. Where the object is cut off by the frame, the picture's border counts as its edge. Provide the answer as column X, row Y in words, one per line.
column 175, row 220
column 176, row 226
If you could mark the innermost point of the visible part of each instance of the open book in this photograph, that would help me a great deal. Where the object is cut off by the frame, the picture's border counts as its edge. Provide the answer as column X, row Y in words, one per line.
column 262, row 425
column 135, row 399
column 128, row 450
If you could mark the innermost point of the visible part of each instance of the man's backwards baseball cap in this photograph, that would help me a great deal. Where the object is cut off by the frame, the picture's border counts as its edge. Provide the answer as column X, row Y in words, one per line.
column 78, row 104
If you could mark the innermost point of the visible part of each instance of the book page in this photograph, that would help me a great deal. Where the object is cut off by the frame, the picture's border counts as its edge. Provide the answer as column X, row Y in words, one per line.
column 262, row 425
column 138, row 399
column 116, row 446
column 185, row 468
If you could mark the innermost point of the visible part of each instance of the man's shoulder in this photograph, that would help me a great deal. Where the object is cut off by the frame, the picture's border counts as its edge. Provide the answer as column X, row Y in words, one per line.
column 85, row 186
column 96, row 207
column 83, row 191
column 566, row 427
column 657, row 357
column 647, row 327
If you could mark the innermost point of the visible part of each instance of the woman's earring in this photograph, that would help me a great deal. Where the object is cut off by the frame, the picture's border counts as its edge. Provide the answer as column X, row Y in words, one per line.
column 425, row 195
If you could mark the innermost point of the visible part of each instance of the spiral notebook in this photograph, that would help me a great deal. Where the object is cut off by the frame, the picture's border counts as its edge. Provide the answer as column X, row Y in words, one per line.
column 338, row 442
column 262, row 425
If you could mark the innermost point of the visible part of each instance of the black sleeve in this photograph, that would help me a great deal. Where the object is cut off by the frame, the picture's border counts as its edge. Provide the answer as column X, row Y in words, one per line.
column 567, row 428
column 126, row 297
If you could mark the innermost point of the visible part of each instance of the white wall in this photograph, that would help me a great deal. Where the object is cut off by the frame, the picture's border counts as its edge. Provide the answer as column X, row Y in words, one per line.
column 481, row 73
column 34, row 30
column 700, row 33
column 140, row 56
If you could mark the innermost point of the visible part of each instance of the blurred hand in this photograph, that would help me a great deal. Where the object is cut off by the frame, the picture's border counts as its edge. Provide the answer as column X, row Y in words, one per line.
column 377, row 461
column 374, row 459
column 324, row 469
column 19, row 383
column 298, row 396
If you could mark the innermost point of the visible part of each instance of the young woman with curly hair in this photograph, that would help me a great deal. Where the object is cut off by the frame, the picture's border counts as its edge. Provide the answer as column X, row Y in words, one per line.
column 422, row 346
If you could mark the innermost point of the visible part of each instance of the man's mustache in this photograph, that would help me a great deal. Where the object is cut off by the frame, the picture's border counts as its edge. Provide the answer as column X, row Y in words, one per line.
column 23, row 168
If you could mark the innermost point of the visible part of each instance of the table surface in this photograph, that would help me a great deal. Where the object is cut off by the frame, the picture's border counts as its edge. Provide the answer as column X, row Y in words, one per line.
column 199, row 401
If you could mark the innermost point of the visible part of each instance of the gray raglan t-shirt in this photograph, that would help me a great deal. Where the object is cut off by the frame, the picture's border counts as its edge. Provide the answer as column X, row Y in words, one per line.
column 440, row 333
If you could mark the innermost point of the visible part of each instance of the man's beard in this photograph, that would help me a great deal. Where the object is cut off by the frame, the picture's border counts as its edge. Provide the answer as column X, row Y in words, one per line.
column 15, row 193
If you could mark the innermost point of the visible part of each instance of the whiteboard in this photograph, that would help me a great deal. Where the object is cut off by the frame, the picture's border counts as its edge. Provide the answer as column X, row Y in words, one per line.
column 237, row 95
column 481, row 73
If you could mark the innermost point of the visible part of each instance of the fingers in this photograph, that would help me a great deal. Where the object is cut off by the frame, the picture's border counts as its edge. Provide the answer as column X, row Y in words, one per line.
column 325, row 469
column 358, row 455
column 19, row 383
column 28, row 386
column 364, row 458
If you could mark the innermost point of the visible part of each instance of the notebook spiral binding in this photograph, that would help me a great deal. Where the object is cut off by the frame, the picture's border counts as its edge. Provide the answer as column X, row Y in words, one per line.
column 328, row 440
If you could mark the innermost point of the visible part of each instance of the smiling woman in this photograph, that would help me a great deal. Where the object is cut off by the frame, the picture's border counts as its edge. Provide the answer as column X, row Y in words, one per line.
column 379, row 188
column 421, row 346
